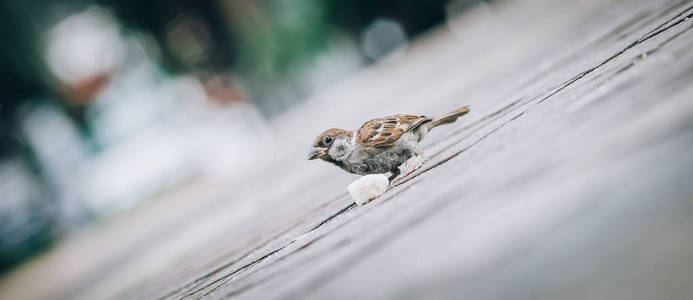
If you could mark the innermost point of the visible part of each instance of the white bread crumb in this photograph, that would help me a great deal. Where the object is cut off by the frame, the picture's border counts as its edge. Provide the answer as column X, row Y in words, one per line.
column 368, row 188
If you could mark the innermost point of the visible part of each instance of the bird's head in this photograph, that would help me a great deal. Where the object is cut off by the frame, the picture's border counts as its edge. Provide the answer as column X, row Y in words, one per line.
column 332, row 145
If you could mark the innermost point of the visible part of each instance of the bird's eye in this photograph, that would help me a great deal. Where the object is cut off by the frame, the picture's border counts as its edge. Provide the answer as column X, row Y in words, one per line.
column 327, row 140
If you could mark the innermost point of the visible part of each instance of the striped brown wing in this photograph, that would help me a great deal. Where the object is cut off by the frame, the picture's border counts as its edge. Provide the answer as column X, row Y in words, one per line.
column 384, row 132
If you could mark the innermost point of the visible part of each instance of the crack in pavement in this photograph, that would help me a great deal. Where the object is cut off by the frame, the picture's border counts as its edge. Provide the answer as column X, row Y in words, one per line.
column 659, row 29
column 198, row 289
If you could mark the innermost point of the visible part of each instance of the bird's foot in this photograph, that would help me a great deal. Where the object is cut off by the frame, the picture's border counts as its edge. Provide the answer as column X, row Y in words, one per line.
column 410, row 166
column 414, row 163
column 408, row 173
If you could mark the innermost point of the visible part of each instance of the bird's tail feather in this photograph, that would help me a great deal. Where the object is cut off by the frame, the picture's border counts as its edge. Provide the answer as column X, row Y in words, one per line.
column 448, row 118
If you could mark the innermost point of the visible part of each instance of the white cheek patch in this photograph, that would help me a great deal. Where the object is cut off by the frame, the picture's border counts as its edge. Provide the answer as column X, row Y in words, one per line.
column 340, row 149
column 368, row 188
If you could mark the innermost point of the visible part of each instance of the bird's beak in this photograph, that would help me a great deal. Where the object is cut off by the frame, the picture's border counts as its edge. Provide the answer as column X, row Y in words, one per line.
column 317, row 153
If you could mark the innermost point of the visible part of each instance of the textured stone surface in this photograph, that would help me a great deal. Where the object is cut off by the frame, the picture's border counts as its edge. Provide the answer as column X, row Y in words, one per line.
column 570, row 179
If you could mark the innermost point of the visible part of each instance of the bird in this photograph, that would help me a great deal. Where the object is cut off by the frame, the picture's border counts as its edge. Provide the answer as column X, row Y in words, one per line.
column 380, row 145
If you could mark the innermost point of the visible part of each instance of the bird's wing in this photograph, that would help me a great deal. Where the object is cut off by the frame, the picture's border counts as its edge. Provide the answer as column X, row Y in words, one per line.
column 384, row 132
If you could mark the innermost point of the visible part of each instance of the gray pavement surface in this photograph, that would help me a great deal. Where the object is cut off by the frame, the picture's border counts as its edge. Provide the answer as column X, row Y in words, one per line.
column 572, row 178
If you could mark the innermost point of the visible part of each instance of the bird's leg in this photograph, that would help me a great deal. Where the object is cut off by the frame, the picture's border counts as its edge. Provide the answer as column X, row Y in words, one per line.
column 413, row 163
column 394, row 175
column 416, row 160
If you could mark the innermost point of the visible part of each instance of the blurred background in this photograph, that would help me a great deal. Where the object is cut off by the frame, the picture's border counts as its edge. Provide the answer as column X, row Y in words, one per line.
column 107, row 104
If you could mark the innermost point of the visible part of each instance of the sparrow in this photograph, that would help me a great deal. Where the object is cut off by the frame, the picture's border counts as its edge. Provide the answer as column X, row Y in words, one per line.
column 380, row 145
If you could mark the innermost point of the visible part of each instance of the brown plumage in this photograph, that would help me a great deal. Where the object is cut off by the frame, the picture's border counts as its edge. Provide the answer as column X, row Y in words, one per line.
column 384, row 132
column 380, row 145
